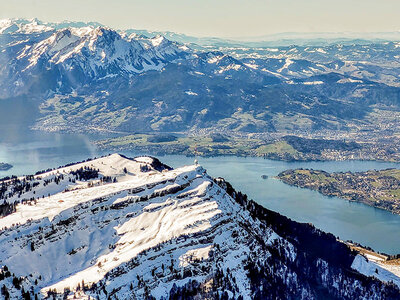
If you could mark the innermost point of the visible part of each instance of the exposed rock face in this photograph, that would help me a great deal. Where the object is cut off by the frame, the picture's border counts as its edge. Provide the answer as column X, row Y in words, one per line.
column 124, row 228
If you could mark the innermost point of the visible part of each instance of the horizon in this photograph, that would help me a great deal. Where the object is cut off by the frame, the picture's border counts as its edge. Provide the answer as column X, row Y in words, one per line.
column 278, row 35
column 199, row 149
column 226, row 19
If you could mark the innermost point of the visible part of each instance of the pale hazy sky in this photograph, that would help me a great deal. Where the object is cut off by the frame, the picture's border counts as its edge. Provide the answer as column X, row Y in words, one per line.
column 218, row 17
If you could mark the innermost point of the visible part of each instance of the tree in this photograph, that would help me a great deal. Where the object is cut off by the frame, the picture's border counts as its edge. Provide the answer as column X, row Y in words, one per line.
column 16, row 282
column 4, row 292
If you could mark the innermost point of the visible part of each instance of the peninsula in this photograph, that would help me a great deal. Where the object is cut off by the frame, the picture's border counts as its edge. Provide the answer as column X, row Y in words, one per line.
column 380, row 189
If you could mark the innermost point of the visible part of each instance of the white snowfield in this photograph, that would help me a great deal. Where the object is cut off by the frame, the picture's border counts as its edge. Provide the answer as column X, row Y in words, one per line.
column 124, row 233
column 99, row 50
column 373, row 266
column 135, row 235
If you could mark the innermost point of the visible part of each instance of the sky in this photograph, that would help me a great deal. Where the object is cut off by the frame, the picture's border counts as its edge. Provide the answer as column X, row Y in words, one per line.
column 219, row 18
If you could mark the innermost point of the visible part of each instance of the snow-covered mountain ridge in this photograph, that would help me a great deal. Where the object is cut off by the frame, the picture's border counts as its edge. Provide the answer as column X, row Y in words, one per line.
column 124, row 228
column 79, row 75
column 78, row 53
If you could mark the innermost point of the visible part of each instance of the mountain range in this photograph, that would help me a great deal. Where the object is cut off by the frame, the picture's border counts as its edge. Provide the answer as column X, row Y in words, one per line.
column 87, row 77
column 121, row 228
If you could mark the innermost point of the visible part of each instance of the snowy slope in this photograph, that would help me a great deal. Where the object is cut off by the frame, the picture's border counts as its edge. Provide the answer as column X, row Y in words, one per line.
column 99, row 51
column 124, row 228
column 23, row 26
column 376, row 269
column 181, row 203
column 60, row 57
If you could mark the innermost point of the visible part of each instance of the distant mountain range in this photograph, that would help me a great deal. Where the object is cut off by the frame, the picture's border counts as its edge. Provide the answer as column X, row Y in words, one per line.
column 270, row 40
column 86, row 77
column 281, row 39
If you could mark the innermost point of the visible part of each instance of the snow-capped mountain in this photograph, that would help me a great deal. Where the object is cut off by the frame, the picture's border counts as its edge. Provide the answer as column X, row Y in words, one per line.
column 71, row 57
column 22, row 26
column 79, row 75
column 99, row 52
column 119, row 228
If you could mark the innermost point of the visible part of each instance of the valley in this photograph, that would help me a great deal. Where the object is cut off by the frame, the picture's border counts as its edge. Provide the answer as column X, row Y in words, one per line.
column 181, row 151
column 300, row 128
column 87, row 78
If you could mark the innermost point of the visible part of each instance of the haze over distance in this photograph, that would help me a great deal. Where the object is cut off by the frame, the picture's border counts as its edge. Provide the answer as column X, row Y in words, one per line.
column 232, row 19
column 210, row 149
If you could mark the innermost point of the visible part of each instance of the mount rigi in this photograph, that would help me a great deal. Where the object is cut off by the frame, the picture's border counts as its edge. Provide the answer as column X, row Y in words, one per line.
column 120, row 228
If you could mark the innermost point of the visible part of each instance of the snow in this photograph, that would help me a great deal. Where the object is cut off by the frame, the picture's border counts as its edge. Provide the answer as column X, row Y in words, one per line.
column 214, row 59
column 22, row 26
column 252, row 66
column 144, row 159
column 33, row 27
column 378, row 270
column 194, row 254
column 349, row 80
column 100, row 48
column 229, row 67
column 288, row 62
column 113, row 224
column 134, row 229
column 191, row 93
column 82, row 31
column 313, row 82
column 157, row 41
column 143, row 232
column 5, row 24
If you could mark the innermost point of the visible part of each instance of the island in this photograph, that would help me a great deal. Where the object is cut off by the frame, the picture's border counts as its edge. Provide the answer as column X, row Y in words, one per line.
column 5, row 166
column 380, row 189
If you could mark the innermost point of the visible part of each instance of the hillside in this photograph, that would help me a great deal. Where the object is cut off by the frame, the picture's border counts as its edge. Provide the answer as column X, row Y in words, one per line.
column 80, row 75
column 376, row 188
column 120, row 228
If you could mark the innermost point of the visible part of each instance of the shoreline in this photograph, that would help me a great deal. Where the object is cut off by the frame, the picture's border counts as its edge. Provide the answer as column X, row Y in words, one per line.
column 163, row 153
column 334, row 185
column 285, row 148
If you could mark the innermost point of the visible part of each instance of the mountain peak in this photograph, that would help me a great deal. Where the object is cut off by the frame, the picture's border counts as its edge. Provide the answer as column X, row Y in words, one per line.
column 25, row 26
column 135, row 228
column 158, row 40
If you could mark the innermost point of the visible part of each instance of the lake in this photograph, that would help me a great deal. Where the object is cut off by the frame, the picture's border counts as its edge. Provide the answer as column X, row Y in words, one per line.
column 32, row 151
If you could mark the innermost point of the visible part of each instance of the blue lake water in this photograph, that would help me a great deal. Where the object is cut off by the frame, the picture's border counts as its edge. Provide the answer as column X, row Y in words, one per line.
column 379, row 229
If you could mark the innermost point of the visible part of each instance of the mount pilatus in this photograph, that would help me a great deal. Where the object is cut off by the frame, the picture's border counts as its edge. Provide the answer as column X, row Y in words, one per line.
column 120, row 228
column 75, row 76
